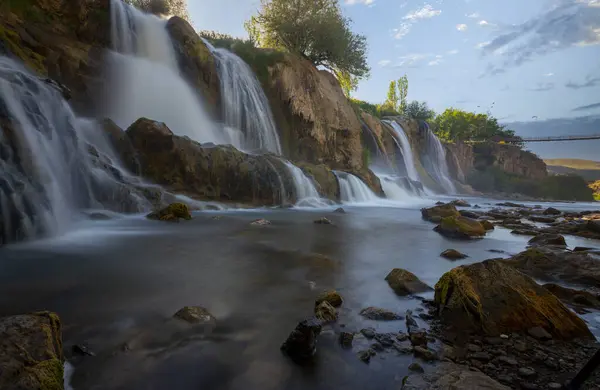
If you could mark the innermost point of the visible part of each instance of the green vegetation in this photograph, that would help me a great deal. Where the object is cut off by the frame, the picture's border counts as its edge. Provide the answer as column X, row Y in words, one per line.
column 588, row 169
column 377, row 110
column 396, row 97
column 163, row 7
column 419, row 111
column 454, row 124
column 316, row 30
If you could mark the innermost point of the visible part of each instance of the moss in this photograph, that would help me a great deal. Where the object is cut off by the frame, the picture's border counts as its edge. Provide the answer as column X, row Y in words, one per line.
column 172, row 213
column 45, row 375
column 462, row 225
column 14, row 45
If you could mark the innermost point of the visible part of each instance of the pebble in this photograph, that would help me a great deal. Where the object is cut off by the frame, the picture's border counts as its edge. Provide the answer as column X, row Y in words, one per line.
column 504, row 336
column 416, row 367
column 551, row 364
column 539, row 333
column 505, row 379
column 526, row 372
column 520, row 346
column 323, row 221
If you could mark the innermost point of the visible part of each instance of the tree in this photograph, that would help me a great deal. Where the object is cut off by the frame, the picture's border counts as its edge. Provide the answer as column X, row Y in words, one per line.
column 454, row 124
column 163, row 7
column 347, row 81
column 402, row 93
column 314, row 29
column 392, row 96
column 419, row 110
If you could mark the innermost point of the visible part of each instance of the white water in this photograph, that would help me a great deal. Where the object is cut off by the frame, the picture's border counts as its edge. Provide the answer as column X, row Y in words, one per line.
column 306, row 192
column 404, row 145
column 245, row 106
column 398, row 188
column 435, row 161
column 145, row 78
column 47, row 172
column 353, row 190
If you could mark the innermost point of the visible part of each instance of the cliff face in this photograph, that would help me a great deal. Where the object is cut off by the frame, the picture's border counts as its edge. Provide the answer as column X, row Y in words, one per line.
column 460, row 159
column 511, row 159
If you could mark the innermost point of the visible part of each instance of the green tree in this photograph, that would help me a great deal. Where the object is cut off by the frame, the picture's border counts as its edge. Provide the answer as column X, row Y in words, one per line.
column 392, row 96
column 163, row 7
column 419, row 110
column 454, row 124
column 347, row 81
column 402, row 85
column 314, row 29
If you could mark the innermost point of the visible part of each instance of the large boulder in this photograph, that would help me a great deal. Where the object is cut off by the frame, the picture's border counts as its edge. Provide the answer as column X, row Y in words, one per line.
column 31, row 355
column 196, row 62
column 436, row 213
column 172, row 213
column 548, row 240
column 450, row 376
column 405, row 283
column 493, row 298
column 460, row 228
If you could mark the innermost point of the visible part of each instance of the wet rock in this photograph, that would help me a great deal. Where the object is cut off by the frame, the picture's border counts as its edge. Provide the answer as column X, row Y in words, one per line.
column 416, row 367
column 542, row 219
column 97, row 216
column 487, row 225
column 426, row 316
column 582, row 249
column 511, row 204
column 574, row 297
column 195, row 315
column 477, row 206
column 325, row 312
column 366, row 355
column 460, row 228
column 494, row 298
column 548, row 240
column 401, row 336
column 554, row 386
column 405, row 283
column 539, row 333
column 528, row 386
column 301, row 344
column 332, row 297
column 377, row 347
column 385, row 339
column 468, row 214
column 473, row 348
column 425, row 353
column 31, row 355
column 525, row 232
column 83, row 350
column 453, row 254
column 439, row 203
column 418, row 337
column 172, row 213
column 411, row 323
column 552, row 211
column 526, row 372
column 460, row 203
column 481, row 356
column 449, row 376
column 379, row 314
column 368, row 332
column 436, row 213
column 404, row 348
column 260, row 222
column 506, row 360
column 323, row 221
column 346, row 339
column 339, row 210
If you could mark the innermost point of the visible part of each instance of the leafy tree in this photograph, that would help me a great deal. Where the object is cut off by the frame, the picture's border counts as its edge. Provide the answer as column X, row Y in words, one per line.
column 454, row 124
column 347, row 81
column 402, row 85
column 163, row 7
column 419, row 110
column 314, row 29
column 392, row 96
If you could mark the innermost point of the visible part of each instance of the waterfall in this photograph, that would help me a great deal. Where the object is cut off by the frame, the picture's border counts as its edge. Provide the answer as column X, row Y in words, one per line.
column 245, row 106
column 52, row 163
column 353, row 190
column 434, row 161
column 145, row 79
column 306, row 192
column 404, row 145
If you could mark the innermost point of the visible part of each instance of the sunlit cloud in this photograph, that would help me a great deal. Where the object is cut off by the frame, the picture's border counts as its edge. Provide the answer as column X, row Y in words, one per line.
column 462, row 27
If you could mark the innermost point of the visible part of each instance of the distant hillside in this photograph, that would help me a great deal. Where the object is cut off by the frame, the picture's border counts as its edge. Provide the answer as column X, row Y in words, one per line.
column 588, row 169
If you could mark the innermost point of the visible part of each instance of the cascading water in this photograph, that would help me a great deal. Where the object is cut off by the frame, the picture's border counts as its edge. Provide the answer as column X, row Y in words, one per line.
column 306, row 192
column 52, row 163
column 404, row 145
column 434, row 161
column 145, row 79
column 245, row 106
column 353, row 190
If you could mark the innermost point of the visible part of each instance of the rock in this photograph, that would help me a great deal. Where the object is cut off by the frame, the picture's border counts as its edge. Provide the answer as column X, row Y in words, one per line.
column 552, row 211
column 554, row 386
column 411, row 323
column 506, row 360
column 405, row 283
column 493, row 298
column 385, row 339
column 425, row 353
column 542, row 219
column 404, row 348
column 593, row 226
column 99, row 216
column 453, row 254
column 439, row 203
column 261, row 222
column 195, row 315
column 339, row 210
column 487, row 225
column 325, row 312
column 172, row 213
column 366, row 355
column 539, row 333
column 418, row 337
column 460, row 203
column 525, row 232
column 402, row 336
column 31, row 355
column 450, row 376
column 529, row 386
column 460, row 228
column 493, row 340
column 82, row 349
column 468, row 214
column 379, row 314
column 526, row 372
column 436, row 213
column 473, row 348
column 481, row 356
column 346, row 339
column 582, row 249
column 368, row 332
column 426, row 316
column 548, row 240
column 416, row 367
column 477, row 206
column 331, row 296
column 377, row 347
column 301, row 344
column 511, row 204
column 323, row 221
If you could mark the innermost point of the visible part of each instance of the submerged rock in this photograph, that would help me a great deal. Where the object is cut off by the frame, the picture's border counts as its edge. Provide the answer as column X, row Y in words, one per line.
column 323, row 221
column 366, row 355
column 552, row 211
column 436, row 213
column 196, row 315
column 453, row 254
column 325, row 312
column 346, row 339
column 339, row 210
column 331, row 296
column 574, row 297
column 172, row 213
column 548, row 240
column 301, row 344
column 31, row 355
column 379, row 314
column 260, row 222
column 487, row 225
column 405, row 283
column 460, row 228
column 493, row 298
column 541, row 218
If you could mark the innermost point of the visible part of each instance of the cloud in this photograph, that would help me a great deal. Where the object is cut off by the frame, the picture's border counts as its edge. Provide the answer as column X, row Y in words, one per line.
column 474, row 15
column 485, row 23
column 482, row 45
column 462, row 27
column 588, row 83
column 452, row 52
column 401, row 31
column 365, row 2
column 438, row 60
column 550, row 74
column 565, row 25
column 411, row 60
column 426, row 12
column 543, row 87
column 588, row 107
column 384, row 63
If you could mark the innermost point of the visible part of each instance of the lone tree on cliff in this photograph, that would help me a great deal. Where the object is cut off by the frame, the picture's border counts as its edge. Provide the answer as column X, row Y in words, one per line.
column 163, row 7
column 316, row 30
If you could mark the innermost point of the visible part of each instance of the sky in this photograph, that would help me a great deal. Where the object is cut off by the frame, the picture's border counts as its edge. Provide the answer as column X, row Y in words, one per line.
column 520, row 59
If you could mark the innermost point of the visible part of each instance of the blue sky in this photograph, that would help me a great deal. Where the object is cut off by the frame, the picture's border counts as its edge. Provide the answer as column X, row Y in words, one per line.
column 517, row 58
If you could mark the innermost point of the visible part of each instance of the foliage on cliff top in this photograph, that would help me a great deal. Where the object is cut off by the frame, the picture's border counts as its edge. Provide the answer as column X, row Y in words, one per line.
column 163, row 7
column 314, row 29
column 454, row 124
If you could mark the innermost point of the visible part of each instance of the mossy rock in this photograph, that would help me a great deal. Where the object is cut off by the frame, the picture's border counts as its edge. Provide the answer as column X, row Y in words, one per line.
column 332, row 297
column 453, row 254
column 487, row 225
column 325, row 312
column 492, row 298
column 460, row 228
column 172, row 213
column 436, row 213
column 404, row 282
column 195, row 315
